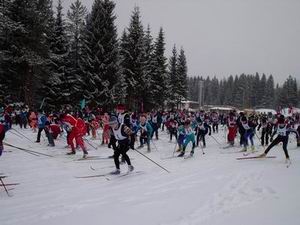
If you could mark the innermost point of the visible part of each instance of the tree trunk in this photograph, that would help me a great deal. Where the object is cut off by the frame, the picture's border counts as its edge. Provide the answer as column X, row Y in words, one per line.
column 28, row 86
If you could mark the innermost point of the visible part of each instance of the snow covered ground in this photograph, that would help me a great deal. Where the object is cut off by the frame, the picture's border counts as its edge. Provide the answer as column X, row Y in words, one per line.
column 214, row 188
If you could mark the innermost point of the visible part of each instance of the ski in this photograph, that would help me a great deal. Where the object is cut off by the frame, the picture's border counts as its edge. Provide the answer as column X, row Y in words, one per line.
column 228, row 146
column 256, row 157
column 95, row 169
column 91, row 158
column 129, row 173
column 111, row 175
column 93, row 176
column 169, row 157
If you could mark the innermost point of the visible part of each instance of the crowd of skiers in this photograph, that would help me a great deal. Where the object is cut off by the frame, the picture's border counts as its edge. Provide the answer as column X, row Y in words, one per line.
column 122, row 129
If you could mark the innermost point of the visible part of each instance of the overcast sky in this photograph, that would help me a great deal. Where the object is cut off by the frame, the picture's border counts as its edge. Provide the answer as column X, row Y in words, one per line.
column 223, row 37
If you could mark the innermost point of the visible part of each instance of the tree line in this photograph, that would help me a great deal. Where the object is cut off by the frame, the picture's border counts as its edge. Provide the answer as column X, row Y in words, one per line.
column 246, row 91
column 56, row 59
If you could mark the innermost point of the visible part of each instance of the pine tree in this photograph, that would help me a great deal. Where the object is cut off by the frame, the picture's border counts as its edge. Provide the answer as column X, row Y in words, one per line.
column 160, row 75
column 182, row 75
column 149, row 68
column 174, row 79
column 8, row 72
column 269, row 94
column 101, row 66
column 75, row 30
column 133, row 61
column 290, row 91
column 57, row 88
column 27, row 46
column 229, row 90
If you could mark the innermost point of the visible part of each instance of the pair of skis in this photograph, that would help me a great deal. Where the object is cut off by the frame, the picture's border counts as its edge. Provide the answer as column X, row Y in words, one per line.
column 108, row 176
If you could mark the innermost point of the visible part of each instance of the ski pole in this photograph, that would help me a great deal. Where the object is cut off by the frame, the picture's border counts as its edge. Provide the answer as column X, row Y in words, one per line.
column 175, row 148
column 21, row 134
column 260, row 141
column 90, row 144
column 152, row 160
column 215, row 140
column 27, row 150
column 4, row 185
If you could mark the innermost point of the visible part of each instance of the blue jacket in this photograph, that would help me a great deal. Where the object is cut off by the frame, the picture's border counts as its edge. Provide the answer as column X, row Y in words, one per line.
column 42, row 119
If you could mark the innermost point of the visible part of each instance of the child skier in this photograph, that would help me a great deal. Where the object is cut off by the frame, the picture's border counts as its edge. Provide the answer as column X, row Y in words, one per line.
column 188, row 136
column 146, row 132
column 201, row 130
column 249, row 129
column 232, row 129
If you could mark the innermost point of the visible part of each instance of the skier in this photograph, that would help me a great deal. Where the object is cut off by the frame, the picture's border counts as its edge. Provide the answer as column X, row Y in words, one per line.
column 241, row 128
column 122, row 134
column 2, row 136
column 105, row 134
column 215, row 122
column 232, row 129
column 155, row 123
column 146, row 132
column 43, row 124
column 249, row 129
column 76, row 129
column 188, row 136
column 23, row 118
column 201, row 130
column 33, row 121
column 123, row 116
column 282, row 130
column 172, row 127
column 266, row 131
column 298, row 139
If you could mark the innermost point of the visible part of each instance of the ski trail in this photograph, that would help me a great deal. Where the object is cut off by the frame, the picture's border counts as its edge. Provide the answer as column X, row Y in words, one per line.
column 239, row 192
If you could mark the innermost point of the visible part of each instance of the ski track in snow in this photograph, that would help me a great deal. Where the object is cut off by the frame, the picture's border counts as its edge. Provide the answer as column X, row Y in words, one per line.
column 199, row 190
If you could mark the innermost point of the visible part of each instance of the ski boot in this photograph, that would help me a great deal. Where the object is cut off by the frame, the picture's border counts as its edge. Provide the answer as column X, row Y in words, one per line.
column 181, row 154
column 130, row 168
column 263, row 155
column 148, row 148
column 115, row 172
column 71, row 153
column 244, row 149
column 192, row 153
column 141, row 146
column 85, row 154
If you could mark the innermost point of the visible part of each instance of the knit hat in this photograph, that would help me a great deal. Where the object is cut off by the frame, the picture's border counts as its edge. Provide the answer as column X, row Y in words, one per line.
column 121, row 107
column 113, row 120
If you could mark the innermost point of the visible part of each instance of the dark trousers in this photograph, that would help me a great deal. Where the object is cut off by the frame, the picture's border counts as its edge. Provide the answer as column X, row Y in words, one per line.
column 264, row 137
column 155, row 130
column 201, row 137
column 276, row 141
column 48, row 135
column 173, row 132
column 121, row 150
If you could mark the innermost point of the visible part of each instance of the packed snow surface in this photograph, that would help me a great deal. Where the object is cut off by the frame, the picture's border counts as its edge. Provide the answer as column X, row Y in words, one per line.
column 212, row 188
